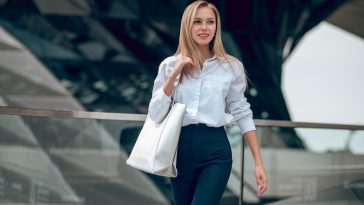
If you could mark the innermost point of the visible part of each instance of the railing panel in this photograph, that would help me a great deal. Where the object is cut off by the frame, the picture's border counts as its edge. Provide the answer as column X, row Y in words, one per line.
column 47, row 160
column 67, row 157
column 330, row 173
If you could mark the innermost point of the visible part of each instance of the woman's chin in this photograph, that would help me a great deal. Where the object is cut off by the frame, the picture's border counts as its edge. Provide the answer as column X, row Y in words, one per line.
column 203, row 43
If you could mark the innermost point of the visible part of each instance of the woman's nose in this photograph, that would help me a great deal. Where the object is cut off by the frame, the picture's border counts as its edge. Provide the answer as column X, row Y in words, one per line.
column 203, row 26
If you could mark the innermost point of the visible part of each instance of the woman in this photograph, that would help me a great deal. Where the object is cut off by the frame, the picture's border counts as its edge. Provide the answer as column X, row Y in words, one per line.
column 212, row 85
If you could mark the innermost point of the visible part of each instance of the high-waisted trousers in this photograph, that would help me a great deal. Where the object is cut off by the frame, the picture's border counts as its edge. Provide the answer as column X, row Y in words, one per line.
column 203, row 163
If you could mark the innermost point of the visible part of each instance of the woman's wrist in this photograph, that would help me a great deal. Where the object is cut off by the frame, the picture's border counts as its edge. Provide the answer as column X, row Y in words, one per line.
column 175, row 72
column 259, row 163
column 168, row 88
column 172, row 77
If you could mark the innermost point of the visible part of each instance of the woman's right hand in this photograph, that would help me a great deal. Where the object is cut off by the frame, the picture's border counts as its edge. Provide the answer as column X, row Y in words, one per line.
column 182, row 62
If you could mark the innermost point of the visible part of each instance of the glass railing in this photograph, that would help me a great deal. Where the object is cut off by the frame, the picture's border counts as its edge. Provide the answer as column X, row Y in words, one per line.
column 75, row 157
column 329, row 169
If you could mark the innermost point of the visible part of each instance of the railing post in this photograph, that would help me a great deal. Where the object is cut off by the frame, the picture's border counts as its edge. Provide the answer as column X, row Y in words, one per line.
column 241, row 201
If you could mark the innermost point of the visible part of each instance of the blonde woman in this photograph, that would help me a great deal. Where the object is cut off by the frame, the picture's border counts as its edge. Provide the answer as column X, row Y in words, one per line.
column 212, row 85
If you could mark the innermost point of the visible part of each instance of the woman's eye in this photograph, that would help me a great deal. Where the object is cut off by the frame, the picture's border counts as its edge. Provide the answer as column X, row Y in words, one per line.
column 211, row 22
column 197, row 22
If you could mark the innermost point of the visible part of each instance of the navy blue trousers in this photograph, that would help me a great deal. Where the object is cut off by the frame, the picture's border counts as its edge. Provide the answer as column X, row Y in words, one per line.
column 203, row 164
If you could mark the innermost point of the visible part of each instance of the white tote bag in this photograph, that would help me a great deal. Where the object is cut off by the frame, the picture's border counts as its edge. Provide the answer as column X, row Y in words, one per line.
column 155, row 150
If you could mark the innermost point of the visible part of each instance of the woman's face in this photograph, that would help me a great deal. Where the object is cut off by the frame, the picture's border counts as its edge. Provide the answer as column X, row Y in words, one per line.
column 203, row 26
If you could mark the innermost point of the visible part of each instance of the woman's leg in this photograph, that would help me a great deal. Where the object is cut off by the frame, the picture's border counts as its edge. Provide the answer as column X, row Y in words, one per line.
column 214, row 166
column 183, row 190
column 211, row 184
column 183, row 186
column 203, row 163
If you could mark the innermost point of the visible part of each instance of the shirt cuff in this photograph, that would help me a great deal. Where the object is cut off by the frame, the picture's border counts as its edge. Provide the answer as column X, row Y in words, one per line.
column 246, row 125
column 163, row 98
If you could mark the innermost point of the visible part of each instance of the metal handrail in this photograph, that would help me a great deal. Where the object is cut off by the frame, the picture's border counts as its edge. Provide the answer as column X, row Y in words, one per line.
column 5, row 110
column 70, row 114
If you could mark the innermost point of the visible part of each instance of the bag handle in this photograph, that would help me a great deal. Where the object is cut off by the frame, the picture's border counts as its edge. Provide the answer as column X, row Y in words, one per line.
column 176, row 83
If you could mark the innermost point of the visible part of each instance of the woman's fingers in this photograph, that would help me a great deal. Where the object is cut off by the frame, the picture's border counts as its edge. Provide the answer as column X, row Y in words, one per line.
column 261, row 180
column 184, row 61
column 263, row 186
column 188, row 61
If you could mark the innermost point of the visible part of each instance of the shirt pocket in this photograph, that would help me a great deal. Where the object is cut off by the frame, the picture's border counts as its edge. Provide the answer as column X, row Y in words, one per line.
column 216, row 86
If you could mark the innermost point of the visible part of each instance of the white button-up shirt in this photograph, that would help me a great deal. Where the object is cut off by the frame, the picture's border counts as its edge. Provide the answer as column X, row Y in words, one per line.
column 214, row 96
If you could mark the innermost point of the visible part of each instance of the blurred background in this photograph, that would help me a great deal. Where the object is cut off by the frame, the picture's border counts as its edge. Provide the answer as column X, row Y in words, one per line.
column 304, row 59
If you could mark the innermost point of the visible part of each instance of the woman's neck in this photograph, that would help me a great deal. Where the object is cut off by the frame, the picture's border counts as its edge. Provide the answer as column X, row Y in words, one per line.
column 205, row 52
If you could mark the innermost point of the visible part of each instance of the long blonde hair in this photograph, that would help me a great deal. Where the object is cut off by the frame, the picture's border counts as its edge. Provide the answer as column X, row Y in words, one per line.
column 188, row 47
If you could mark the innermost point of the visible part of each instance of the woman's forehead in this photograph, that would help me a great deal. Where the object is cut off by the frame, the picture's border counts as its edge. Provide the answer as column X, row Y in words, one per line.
column 205, row 12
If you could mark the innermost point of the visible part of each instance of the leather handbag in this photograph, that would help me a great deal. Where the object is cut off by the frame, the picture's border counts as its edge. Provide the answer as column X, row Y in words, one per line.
column 155, row 150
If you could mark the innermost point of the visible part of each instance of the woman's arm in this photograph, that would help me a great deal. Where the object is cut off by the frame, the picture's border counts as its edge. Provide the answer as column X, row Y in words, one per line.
column 182, row 61
column 169, row 84
column 160, row 102
column 163, row 88
column 260, row 174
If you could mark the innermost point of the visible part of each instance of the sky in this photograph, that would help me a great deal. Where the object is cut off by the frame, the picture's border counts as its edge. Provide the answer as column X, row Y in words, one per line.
column 323, row 81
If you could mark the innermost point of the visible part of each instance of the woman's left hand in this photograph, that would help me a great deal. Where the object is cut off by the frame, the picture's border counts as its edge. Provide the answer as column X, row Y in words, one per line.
column 261, row 179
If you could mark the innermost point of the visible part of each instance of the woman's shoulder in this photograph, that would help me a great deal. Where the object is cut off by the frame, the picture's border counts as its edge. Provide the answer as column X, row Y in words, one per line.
column 228, row 59
column 169, row 60
column 167, row 64
column 232, row 63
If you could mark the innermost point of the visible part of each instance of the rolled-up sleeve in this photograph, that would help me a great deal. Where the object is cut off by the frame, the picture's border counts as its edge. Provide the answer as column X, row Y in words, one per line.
column 237, row 103
column 160, row 102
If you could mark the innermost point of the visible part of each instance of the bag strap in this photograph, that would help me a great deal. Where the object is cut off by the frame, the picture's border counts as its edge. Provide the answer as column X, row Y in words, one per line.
column 176, row 82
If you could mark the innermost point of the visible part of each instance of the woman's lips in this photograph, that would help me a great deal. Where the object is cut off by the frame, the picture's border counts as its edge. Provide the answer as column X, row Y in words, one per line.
column 203, row 35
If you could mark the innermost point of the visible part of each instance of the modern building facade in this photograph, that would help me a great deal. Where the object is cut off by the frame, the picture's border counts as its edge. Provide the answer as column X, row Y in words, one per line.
column 102, row 56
